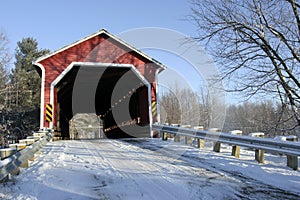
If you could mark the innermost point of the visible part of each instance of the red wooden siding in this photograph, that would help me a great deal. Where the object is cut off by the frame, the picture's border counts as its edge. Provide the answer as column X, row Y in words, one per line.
column 102, row 49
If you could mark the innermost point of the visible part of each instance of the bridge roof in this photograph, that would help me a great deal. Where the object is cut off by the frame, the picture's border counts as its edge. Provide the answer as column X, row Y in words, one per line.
column 104, row 32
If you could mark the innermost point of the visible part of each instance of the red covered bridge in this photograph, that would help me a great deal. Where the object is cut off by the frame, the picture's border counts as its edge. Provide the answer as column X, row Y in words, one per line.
column 104, row 75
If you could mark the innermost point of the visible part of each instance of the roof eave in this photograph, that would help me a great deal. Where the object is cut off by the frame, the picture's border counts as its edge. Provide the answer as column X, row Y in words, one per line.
column 102, row 31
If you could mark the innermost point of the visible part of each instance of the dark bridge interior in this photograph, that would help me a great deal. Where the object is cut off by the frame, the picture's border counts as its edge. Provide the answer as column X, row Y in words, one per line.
column 116, row 94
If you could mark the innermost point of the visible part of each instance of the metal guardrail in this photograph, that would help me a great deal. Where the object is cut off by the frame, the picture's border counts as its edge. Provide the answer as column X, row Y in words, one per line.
column 268, row 144
column 15, row 161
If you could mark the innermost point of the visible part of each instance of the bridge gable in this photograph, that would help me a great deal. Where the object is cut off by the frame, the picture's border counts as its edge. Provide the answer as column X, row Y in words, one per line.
column 101, row 47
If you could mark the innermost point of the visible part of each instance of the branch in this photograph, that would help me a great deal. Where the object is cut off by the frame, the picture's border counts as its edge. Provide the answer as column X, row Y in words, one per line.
column 295, row 7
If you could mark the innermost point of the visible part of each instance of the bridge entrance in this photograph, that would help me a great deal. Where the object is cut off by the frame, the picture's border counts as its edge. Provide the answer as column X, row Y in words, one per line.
column 101, row 75
column 117, row 93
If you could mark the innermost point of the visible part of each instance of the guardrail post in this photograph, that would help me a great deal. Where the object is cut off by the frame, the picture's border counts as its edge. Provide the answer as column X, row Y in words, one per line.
column 36, row 138
column 200, row 142
column 18, row 147
column 236, row 149
column 159, row 134
column 259, row 154
column 187, row 139
column 164, row 136
column 5, row 153
column 216, row 145
column 292, row 161
column 27, row 142
column 12, row 166
column 176, row 136
column 22, row 145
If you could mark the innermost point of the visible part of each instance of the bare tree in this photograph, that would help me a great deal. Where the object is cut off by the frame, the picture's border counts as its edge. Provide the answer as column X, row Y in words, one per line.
column 190, row 107
column 206, row 103
column 186, row 107
column 169, row 106
column 252, row 117
column 256, row 43
column 5, row 58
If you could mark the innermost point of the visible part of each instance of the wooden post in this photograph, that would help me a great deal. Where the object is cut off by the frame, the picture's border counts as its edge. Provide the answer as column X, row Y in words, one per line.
column 5, row 153
column 292, row 161
column 18, row 147
column 27, row 142
column 259, row 154
column 187, row 139
column 40, row 134
column 159, row 134
column 36, row 138
column 164, row 136
column 177, row 138
column 200, row 142
column 236, row 149
column 217, row 145
column 25, row 164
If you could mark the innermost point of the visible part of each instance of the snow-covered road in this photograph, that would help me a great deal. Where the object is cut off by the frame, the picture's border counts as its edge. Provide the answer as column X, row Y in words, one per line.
column 144, row 169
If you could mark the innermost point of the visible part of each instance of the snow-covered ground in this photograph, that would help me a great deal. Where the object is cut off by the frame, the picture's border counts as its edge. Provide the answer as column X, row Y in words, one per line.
column 150, row 169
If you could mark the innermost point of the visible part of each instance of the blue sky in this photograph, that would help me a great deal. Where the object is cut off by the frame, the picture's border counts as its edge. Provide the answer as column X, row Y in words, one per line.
column 57, row 23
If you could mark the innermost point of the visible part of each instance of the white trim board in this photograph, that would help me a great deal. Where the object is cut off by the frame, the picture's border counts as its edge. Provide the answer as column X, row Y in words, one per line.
column 42, row 106
column 97, row 64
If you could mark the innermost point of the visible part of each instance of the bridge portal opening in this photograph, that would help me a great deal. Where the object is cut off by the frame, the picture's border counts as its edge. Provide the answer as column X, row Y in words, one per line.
column 117, row 95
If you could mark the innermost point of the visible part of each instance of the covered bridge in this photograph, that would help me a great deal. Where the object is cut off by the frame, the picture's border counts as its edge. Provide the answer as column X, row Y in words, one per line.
column 104, row 75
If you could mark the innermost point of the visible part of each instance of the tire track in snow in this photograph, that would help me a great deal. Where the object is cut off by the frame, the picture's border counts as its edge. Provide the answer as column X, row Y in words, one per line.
column 166, row 180
column 139, row 180
column 201, row 180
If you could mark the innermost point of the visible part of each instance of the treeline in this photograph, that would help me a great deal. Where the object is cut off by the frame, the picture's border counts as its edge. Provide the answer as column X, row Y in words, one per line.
column 184, row 107
column 19, row 86
column 188, row 107
column 266, row 116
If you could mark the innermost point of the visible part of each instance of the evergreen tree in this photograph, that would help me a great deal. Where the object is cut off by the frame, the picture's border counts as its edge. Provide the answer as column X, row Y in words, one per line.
column 25, row 79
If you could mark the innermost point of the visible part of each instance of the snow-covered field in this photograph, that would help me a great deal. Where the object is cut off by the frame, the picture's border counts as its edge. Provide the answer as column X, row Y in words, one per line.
column 150, row 169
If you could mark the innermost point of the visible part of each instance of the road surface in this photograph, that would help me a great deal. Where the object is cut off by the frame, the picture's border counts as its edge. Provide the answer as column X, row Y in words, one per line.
column 133, row 169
